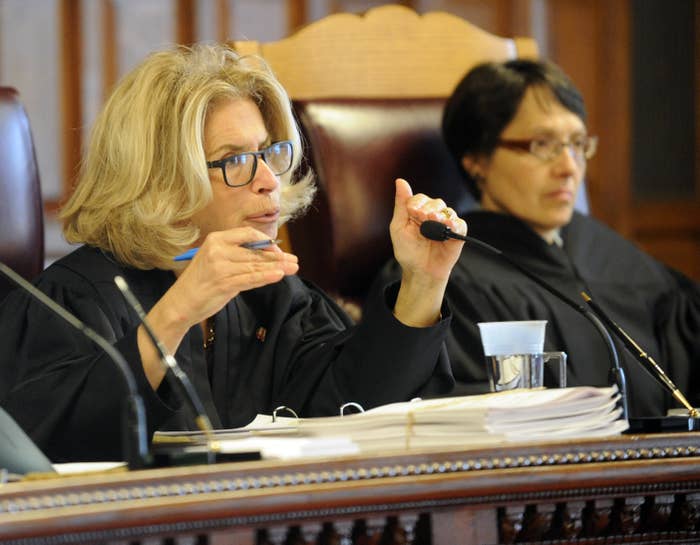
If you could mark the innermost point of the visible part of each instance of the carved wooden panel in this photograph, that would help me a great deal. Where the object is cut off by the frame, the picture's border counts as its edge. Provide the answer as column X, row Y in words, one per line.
column 631, row 489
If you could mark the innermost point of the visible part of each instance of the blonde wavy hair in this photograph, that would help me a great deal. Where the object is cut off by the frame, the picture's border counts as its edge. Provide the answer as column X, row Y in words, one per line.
column 144, row 174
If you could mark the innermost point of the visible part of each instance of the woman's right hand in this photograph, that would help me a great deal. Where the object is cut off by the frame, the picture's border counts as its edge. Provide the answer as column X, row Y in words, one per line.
column 222, row 268
column 219, row 271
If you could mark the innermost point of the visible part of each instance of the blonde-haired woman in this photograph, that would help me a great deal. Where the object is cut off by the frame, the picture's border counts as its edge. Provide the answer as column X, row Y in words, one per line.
column 197, row 148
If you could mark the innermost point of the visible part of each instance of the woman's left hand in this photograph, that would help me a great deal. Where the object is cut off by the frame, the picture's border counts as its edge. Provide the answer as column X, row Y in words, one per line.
column 425, row 264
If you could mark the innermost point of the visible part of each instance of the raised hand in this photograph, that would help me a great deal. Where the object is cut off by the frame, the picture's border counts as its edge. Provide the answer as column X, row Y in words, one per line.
column 425, row 264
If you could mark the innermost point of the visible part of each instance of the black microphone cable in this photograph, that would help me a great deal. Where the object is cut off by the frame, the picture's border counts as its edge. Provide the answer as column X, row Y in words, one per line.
column 653, row 368
column 434, row 230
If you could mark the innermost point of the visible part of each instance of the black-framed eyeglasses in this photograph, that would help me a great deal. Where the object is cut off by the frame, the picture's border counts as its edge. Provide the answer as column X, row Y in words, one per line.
column 547, row 149
column 240, row 169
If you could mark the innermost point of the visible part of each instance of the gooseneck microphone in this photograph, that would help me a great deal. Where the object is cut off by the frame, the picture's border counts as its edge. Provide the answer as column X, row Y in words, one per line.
column 653, row 368
column 434, row 230
column 134, row 440
column 182, row 381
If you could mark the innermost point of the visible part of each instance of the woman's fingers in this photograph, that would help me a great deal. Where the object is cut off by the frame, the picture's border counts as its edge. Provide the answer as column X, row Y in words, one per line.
column 222, row 268
column 422, row 208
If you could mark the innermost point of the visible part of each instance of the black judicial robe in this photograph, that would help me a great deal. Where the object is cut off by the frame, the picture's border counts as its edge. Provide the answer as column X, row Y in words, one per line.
column 657, row 306
column 283, row 344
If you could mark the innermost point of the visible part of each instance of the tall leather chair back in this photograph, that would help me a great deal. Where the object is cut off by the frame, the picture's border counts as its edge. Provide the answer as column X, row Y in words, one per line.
column 358, row 147
column 21, row 210
column 369, row 92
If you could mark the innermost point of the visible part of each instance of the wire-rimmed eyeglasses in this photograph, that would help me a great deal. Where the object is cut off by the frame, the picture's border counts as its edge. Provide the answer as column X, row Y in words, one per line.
column 240, row 169
column 547, row 149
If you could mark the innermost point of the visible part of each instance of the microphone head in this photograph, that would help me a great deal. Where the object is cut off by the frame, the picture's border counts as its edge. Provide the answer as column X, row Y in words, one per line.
column 434, row 230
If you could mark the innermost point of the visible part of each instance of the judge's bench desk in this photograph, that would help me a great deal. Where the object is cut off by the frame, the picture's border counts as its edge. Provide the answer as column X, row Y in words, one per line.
column 626, row 489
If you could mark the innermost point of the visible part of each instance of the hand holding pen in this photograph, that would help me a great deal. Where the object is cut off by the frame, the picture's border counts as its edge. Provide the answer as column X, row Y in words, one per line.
column 216, row 272
column 254, row 245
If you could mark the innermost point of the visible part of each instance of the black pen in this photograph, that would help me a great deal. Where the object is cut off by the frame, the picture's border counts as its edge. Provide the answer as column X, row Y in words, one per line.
column 254, row 245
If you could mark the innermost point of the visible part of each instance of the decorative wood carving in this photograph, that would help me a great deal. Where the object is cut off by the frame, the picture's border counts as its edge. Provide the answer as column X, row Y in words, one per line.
column 631, row 487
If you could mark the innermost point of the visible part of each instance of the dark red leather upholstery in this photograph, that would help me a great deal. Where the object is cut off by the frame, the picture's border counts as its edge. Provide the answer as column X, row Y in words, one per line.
column 21, row 211
column 357, row 148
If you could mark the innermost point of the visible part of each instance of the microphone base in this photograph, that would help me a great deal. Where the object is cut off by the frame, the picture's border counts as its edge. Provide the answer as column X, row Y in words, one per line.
column 174, row 456
column 663, row 424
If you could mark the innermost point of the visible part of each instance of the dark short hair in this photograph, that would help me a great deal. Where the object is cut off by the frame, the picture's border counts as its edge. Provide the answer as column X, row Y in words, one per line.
column 486, row 100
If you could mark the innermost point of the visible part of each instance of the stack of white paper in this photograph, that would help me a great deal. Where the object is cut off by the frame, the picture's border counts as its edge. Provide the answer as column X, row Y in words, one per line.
column 514, row 415
column 508, row 416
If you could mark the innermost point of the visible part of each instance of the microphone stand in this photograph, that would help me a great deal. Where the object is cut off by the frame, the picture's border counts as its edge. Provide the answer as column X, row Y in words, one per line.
column 437, row 231
column 134, row 438
column 181, row 380
column 643, row 357
column 617, row 373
